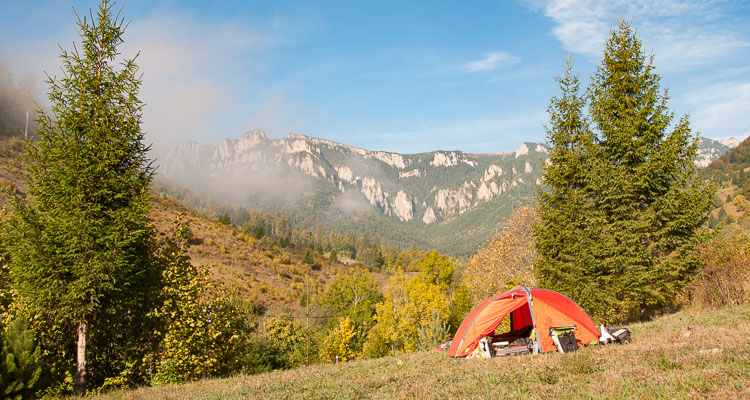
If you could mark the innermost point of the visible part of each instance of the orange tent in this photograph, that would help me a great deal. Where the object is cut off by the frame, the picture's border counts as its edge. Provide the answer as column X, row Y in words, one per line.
column 541, row 309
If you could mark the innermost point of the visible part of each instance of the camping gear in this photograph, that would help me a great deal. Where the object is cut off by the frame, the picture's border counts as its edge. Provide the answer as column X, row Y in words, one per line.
column 564, row 338
column 512, row 351
column 605, row 337
column 484, row 348
column 532, row 312
column 621, row 335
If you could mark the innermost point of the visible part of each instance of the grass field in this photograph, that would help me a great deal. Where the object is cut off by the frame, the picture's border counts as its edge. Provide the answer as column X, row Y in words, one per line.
column 691, row 354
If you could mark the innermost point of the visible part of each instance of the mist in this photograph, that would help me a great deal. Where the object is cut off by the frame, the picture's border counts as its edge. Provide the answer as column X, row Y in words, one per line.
column 17, row 98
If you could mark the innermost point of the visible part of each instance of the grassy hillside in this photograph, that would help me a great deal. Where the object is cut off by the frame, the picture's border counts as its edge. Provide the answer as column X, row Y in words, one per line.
column 261, row 272
column 731, row 174
column 690, row 354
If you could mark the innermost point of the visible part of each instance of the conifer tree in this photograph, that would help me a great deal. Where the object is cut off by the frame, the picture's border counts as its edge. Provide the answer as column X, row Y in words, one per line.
column 563, row 207
column 79, row 250
column 624, row 202
column 20, row 361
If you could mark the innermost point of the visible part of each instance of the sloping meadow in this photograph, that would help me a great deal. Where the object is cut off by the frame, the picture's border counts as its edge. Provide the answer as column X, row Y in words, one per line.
column 690, row 354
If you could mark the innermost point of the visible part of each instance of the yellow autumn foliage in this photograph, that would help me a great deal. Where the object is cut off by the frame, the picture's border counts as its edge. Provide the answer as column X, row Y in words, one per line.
column 339, row 342
column 506, row 259
column 410, row 303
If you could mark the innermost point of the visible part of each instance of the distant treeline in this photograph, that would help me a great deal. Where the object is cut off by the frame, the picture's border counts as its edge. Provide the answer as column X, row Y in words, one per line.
column 371, row 252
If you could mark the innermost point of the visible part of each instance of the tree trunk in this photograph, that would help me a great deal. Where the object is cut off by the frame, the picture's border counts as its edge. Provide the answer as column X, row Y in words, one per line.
column 80, row 382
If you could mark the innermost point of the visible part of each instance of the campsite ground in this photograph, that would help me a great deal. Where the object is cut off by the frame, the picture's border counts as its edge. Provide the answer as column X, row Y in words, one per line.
column 690, row 354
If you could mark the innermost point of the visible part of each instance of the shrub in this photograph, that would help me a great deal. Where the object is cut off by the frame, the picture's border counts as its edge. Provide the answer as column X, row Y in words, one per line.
column 295, row 344
column 433, row 332
column 340, row 342
column 725, row 277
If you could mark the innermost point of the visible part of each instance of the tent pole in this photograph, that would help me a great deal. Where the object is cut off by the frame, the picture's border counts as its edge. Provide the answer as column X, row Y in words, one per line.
column 536, row 345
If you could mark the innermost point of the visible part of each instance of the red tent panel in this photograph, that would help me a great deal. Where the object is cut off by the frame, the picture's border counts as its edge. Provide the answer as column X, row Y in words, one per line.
column 483, row 320
column 550, row 309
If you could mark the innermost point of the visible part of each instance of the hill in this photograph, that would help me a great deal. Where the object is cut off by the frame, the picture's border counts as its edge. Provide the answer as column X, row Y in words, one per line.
column 731, row 174
column 266, row 275
column 689, row 354
column 447, row 200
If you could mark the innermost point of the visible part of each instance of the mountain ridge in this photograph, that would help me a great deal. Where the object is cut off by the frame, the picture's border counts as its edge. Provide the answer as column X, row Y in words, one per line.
column 321, row 181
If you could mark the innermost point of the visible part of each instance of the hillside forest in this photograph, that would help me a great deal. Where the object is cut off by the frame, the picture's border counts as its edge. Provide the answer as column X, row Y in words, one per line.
column 107, row 281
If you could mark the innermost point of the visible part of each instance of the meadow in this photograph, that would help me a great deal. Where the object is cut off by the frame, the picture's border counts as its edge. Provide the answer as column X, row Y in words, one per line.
column 690, row 354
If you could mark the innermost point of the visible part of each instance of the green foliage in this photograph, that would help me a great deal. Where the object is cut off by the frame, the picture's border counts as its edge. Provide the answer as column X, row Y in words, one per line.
column 258, row 231
column 352, row 293
column 621, row 211
column 295, row 344
column 308, row 258
column 434, row 332
column 224, row 219
column 259, row 355
column 6, row 296
column 461, row 304
column 436, row 269
column 333, row 256
column 80, row 249
column 20, row 361
column 202, row 332
column 377, row 343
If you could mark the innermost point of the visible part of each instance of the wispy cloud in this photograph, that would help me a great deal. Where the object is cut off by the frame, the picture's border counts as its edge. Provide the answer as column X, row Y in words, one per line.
column 491, row 62
column 722, row 109
column 504, row 132
column 195, row 70
column 683, row 34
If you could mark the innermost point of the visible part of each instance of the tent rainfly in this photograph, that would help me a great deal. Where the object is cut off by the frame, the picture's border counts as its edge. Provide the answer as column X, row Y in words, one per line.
column 541, row 309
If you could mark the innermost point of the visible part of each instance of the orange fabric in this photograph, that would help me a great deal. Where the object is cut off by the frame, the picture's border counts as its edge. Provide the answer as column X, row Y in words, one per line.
column 553, row 309
column 550, row 309
column 483, row 320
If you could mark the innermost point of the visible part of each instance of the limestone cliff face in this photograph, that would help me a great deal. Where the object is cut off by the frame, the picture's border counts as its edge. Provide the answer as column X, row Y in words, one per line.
column 421, row 189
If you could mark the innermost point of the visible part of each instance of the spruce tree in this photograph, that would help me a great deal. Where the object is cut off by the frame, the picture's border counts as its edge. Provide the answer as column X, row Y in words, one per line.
column 563, row 233
column 20, row 361
column 80, row 248
column 636, row 205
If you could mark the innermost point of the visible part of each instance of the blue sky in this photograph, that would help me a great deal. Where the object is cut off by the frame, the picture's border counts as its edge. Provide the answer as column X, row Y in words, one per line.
column 399, row 76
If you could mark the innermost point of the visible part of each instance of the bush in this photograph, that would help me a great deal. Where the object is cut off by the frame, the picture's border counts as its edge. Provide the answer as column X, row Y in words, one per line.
column 295, row 344
column 340, row 342
column 725, row 277
column 433, row 332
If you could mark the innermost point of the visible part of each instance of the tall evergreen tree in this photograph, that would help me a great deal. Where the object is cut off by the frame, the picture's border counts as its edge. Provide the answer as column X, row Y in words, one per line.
column 563, row 232
column 80, row 249
column 632, row 208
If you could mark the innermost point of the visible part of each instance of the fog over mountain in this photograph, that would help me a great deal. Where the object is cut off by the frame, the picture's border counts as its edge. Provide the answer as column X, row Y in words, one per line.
column 449, row 200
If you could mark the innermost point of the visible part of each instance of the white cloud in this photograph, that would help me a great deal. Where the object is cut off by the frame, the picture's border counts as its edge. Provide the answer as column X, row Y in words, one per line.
column 491, row 62
column 194, row 71
column 683, row 34
column 481, row 135
column 722, row 109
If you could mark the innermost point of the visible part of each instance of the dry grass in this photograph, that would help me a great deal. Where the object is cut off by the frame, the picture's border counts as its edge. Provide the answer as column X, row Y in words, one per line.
column 690, row 354
column 269, row 276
